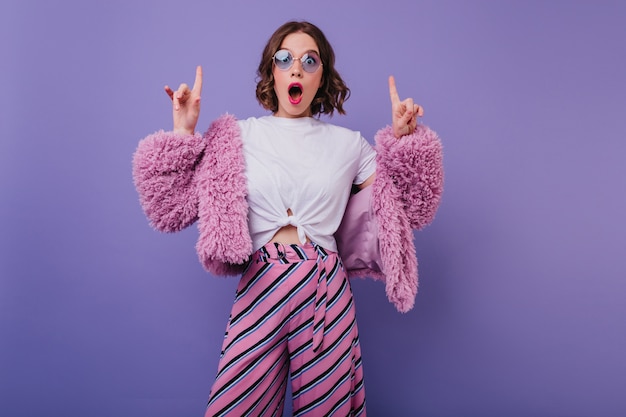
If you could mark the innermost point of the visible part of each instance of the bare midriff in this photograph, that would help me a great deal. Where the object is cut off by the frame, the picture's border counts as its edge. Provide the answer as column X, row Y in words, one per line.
column 287, row 235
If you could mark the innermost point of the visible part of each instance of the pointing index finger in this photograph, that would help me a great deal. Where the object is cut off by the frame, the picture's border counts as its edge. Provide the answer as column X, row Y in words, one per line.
column 197, row 84
column 393, row 92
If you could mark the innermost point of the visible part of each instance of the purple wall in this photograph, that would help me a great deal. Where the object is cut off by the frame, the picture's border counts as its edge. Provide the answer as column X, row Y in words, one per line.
column 521, row 308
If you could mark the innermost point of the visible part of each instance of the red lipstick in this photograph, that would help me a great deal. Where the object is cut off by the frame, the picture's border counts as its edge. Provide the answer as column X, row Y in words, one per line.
column 295, row 93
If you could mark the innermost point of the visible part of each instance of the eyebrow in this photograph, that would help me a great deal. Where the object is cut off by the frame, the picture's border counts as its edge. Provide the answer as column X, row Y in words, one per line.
column 306, row 52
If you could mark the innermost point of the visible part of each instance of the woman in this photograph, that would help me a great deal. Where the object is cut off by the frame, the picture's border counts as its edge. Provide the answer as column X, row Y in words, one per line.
column 270, row 197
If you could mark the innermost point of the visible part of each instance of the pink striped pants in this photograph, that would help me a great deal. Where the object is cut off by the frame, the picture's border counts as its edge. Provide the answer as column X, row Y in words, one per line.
column 293, row 312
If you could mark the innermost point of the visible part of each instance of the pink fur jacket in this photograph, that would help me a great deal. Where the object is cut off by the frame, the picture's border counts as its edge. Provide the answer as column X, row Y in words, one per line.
column 183, row 178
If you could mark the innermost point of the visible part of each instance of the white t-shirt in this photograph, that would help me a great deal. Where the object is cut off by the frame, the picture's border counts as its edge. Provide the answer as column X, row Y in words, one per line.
column 305, row 165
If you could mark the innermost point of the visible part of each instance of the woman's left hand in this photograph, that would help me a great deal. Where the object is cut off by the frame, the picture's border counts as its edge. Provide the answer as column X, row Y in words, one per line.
column 404, row 113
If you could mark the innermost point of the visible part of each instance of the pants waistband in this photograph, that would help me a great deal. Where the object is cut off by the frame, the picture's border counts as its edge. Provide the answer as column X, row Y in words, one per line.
column 290, row 253
column 293, row 253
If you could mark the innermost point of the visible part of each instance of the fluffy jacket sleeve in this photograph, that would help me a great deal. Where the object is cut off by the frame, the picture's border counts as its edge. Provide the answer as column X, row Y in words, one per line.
column 164, row 165
column 414, row 165
column 184, row 178
column 224, row 244
column 405, row 195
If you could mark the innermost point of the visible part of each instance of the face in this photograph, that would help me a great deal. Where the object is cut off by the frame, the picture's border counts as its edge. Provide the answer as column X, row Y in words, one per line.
column 295, row 88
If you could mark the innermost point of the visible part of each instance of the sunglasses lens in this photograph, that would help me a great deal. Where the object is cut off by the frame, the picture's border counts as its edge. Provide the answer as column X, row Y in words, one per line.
column 283, row 59
column 311, row 62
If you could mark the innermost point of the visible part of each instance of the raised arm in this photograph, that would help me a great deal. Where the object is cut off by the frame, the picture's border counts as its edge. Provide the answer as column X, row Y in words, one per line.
column 404, row 113
column 164, row 164
column 410, row 159
column 186, row 104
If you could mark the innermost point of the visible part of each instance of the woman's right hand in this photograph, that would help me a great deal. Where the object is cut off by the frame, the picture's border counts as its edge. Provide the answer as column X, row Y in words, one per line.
column 186, row 104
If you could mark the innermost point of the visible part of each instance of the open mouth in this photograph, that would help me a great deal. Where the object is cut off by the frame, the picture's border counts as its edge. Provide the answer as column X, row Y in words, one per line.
column 295, row 93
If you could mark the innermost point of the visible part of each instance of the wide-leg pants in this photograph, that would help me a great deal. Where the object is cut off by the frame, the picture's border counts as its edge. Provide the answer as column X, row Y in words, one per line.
column 293, row 313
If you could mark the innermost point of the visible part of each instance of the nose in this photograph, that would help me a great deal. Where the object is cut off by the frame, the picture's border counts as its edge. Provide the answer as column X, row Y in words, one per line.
column 296, row 68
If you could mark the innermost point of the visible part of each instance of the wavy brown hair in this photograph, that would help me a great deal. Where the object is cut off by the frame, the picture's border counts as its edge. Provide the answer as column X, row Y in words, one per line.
column 333, row 91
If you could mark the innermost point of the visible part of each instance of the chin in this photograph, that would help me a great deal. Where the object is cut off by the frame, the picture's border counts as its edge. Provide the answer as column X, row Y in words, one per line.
column 293, row 111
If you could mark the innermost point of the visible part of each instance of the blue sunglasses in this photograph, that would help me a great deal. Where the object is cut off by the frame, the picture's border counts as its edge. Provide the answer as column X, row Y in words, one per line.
column 310, row 61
